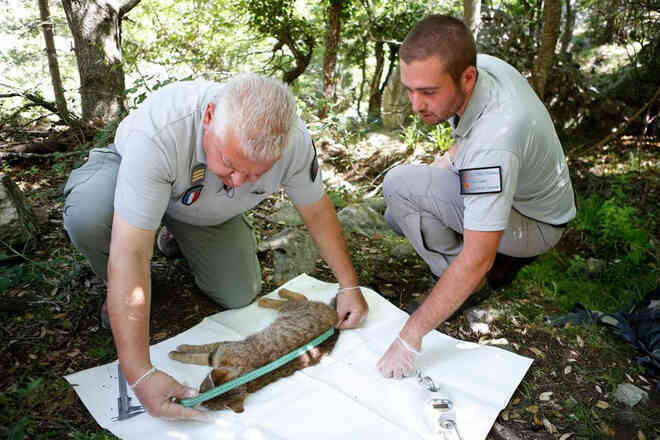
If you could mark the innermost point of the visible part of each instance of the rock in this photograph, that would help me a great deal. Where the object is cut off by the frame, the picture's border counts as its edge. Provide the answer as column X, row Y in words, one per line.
column 630, row 395
column 362, row 219
column 404, row 250
column 17, row 220
column 475, row 314
column 287, row 215
column 376, row 203
column 595, row 266
column 293, row 253
column 480, row 328
column 396, row 105
column 377, row 140
column 503, row 433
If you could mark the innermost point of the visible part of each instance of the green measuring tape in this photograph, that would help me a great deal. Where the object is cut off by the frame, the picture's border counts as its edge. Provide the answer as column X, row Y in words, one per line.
column 215, row 392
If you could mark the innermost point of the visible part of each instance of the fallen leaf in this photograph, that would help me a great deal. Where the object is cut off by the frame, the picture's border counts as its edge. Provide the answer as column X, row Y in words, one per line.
column 32, row 356
column 602, row 404
column 532, row 409
column 640, row 435
column 630, row 379
column 567, row 370
column 505, row 415
column 607, row 429
column 73, row 353
column 566, row 436
column 515, row 401
column 545, row 396
column 580, row 341
column 59, row 316
column 599, row 389
column 536, row 351
column 549, row 426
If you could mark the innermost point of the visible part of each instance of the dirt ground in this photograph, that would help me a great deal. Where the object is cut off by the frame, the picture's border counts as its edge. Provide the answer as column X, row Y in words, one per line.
column 52, row 328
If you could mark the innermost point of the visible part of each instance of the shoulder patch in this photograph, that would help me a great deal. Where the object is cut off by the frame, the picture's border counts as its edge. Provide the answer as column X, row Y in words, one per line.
column 314, row 166
column 487, row 180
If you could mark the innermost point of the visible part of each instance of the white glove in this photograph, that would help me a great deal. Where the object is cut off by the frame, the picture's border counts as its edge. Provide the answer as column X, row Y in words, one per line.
column 399, row 360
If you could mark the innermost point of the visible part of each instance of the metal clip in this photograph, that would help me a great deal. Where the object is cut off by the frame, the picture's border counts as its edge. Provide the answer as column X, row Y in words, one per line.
column 125, row 410
column 441, row 408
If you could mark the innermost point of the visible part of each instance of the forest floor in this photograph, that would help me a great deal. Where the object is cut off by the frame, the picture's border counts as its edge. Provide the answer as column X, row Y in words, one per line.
column 52, row 327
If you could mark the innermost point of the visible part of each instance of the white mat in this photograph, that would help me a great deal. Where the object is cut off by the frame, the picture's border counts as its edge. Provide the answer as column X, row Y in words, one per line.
column 343, row 397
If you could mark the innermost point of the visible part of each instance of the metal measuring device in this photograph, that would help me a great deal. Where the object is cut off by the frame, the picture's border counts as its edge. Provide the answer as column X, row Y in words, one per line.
column 124, row 408
column 441, row 409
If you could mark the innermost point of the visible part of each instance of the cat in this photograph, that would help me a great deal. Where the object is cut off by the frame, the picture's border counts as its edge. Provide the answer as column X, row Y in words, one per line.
column 298, row 322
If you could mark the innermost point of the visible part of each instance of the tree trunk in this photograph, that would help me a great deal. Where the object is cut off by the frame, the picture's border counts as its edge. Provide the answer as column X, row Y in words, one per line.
column 569, row 25
column 332, row 38
column 375, row 95
column 53, row 66
column 472, row 14
column 18, row 225
column 96, row 29
column 302, row 56
column 546, row 54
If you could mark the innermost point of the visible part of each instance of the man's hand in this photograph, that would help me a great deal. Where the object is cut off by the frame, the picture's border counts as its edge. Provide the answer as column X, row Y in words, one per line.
column 159, row 391
column 399, row 360
column 351, row 308
column 446, row 159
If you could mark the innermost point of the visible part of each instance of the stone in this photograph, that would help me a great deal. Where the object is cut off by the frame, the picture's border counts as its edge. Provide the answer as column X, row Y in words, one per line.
column 396, row 105
column 17, row 220
column 287, row 215
column 630, row 395
column 404, row 250
column 362, row 219
column 293, row 253
column 376, row 203
column 476, row 314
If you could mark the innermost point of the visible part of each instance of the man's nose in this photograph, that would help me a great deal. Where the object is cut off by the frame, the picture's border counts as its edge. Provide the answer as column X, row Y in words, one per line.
column 417, row 102
column 237, row 178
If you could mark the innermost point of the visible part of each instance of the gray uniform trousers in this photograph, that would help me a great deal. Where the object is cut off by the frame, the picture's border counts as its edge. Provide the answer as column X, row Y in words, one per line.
column 424, row 204
column 223, row 257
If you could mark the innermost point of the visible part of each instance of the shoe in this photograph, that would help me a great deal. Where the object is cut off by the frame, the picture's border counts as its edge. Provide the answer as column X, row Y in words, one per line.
column 104, row 319
column 167, row 244
column 504, row 270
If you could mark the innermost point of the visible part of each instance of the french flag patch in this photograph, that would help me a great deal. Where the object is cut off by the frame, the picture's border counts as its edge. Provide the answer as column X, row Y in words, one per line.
column 191, row 195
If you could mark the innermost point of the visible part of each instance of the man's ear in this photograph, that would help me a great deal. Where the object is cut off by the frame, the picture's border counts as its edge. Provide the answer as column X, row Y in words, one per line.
column 208, row 115
column 469, row 78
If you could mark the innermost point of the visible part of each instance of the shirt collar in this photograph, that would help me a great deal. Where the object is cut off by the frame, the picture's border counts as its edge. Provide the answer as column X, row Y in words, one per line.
column 481, row 97
column 200, row 155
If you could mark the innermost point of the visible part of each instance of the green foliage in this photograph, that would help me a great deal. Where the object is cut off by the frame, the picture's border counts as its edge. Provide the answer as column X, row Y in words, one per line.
column 617, row 249
column 411, row 134
column 441, row 137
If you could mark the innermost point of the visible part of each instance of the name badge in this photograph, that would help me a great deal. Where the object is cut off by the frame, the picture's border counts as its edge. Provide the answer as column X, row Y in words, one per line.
column 486, row 180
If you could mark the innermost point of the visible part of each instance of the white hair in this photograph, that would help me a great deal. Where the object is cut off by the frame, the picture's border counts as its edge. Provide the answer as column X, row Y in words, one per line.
column 260, row 110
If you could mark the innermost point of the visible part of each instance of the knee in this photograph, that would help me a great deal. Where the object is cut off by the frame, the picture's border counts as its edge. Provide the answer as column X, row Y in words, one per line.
column 395, row 180
column 88, row 228
column 234, row 296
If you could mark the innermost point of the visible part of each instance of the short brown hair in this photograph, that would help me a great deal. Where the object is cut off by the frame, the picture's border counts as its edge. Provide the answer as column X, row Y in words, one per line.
column 444, row 37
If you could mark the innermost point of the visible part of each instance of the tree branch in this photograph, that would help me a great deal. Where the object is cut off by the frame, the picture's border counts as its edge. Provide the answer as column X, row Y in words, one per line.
column 126, row 7
column 623, row 126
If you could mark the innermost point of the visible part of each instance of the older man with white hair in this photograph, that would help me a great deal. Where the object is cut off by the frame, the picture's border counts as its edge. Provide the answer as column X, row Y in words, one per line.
column 195, row 156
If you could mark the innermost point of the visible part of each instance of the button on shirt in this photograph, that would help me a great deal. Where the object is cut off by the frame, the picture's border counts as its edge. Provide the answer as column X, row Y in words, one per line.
column 506, row 125
column 161, row 142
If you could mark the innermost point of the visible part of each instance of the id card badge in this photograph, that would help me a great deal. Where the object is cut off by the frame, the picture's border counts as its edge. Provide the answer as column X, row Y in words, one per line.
column 487, row 180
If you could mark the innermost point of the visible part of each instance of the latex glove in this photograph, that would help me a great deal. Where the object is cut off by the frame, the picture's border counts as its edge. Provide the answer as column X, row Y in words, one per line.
column 399, row 360
column 158, row 393
column 352, row 309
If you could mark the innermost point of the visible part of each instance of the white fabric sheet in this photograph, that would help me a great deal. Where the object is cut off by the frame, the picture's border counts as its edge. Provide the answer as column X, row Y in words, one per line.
column 343, row 397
